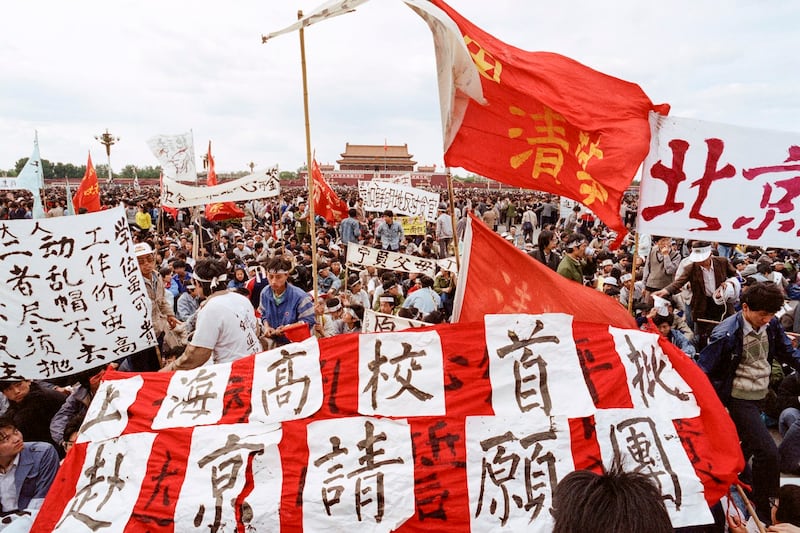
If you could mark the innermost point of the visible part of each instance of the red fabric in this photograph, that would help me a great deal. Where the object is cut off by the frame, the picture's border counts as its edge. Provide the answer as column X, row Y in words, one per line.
column 326, row 203
column 503, row 279
column 545, row 104
column 441, row 496
column 219, row 210
column 88, row 193
column 297, row 332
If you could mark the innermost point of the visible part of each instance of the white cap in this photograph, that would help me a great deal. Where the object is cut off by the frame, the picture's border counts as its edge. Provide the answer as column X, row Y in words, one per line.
column 701, row 253
column 142, row 248
column 610, row 281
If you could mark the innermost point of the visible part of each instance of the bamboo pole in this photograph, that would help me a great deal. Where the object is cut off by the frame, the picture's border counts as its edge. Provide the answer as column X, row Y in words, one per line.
column 632, row 290
column 453, row 217
column 750, row 509
column 311, row 222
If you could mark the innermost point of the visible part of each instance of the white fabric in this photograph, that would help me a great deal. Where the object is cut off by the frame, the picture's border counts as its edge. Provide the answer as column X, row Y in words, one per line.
column 8, row 491
column 227, row 325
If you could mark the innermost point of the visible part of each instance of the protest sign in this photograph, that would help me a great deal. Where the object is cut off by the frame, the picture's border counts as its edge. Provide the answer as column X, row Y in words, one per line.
column 380, row 196
column 453, row 427
column 413, row 225
column 722, row 183
column 374, row 322
column 261, row 184
column 175, row 154
column 73, row 296
column 369, row 256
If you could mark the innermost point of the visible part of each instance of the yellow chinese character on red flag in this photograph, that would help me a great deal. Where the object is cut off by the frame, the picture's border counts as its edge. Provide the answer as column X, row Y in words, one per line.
column 548, row 138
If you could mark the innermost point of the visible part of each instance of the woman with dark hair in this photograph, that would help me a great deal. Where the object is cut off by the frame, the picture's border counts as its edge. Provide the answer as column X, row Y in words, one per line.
column 239, row 278
column 226, row 324
column 546, row 252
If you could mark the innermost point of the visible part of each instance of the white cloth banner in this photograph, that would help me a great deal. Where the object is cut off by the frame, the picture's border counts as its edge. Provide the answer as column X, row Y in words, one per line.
column 73, row 295
column 380, row 196
column 403, row 179
column 175, row 153
column 374, row 322
column 716, row 182
column 261, row 184
column 367, row 255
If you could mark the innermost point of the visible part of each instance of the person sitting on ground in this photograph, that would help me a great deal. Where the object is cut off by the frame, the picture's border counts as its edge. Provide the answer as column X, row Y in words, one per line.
column 32, row 407
column 663, row 320
column 614, row 501
column 27, row 469
column 282, row 304
column 226, row 324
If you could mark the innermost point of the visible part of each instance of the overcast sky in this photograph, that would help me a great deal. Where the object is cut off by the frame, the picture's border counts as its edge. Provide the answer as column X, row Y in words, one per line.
column 139, row 68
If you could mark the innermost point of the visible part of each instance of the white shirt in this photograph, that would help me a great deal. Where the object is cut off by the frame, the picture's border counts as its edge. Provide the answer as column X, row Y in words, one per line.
column 226, row 324
column 8, row 491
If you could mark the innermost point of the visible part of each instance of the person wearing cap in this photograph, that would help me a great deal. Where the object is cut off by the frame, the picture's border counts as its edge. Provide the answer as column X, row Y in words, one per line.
column 571, row 265
column 606, row 266
column 162, row 315
column 661, row 320
column 738, row 361
column 226, row 324
column 283, row 304
column 389, row 232
column 704, row 273
column 611, row 287
column 628, row 285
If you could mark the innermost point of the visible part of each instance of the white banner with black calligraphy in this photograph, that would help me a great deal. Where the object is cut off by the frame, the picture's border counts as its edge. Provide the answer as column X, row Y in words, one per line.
column 107, row 415
column 534, row 366
column 374, row 322
column 261, row 184
column 360, row 471
column 175, row 154
column 381, row 195
column 716, row 182
column 72, row 297
column 369, row 256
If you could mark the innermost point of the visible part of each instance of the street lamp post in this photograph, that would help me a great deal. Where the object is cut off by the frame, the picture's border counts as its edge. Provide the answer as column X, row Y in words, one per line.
column 252, row 166
column 107, row 139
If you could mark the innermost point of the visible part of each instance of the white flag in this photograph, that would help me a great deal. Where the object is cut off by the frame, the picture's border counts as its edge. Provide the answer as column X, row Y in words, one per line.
column 175, row 153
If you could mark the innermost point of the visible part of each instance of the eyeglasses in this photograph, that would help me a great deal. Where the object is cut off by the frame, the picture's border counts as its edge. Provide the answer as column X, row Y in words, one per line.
column 5, row 436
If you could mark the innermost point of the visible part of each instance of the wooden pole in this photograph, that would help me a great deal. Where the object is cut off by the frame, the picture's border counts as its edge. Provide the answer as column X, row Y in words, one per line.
column 750, row 509
column 632, row 290
column 453, row 217
column 311, row 221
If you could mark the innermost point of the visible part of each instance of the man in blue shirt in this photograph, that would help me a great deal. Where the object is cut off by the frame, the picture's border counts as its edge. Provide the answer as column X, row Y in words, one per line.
column 389, row 233
column 283, row 305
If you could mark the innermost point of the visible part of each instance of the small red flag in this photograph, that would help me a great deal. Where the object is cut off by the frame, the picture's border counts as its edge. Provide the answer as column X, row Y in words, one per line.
column 551, row 124
column 219, row 210
column 326, row 203
column 88, row 193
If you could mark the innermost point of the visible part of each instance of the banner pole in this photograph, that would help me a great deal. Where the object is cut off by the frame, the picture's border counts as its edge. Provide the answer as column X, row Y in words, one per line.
column 632, row 291
column 311, row 222
column 453, row 217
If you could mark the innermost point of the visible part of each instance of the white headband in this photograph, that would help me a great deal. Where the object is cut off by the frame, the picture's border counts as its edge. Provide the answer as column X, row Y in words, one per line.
column 215, row 281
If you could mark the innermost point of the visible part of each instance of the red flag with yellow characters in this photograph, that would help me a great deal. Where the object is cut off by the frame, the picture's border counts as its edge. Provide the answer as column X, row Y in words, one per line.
column 552, row 124
column 88, row 193
column 327, row 203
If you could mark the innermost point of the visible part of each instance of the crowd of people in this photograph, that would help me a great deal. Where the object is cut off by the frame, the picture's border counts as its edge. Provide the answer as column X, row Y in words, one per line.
column 221, row 291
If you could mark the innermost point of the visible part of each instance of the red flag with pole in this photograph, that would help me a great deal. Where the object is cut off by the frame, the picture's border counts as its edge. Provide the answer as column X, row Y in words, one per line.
column 550, row 123
column 219, row 210
column 326, row 202
column 88, row 193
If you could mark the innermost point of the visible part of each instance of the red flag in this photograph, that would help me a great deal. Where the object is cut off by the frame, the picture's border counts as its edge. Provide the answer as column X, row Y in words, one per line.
column 88, row 193
column 172, row 211
column 219, row 210
column 326, row 203
column 550, row 123
column 499, row 278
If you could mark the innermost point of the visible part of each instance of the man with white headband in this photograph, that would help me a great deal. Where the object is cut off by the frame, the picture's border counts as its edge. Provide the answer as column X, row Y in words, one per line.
column 226, row 324
column 282, row 304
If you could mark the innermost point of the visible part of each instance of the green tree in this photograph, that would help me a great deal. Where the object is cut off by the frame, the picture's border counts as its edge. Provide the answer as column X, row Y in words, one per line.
column 288, row 175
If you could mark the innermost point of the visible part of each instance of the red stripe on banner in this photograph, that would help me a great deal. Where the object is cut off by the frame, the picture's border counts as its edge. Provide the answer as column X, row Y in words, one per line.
column 166, row 471
column 601, row 365
column 66, row 480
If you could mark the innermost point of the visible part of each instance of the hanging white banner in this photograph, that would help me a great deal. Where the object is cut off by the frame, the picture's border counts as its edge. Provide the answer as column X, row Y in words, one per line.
column 380, row 196
column 716, row 182
column 261, row 184
column 175, row 153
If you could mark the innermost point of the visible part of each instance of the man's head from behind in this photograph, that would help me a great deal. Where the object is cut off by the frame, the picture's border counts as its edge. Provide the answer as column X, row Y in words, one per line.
column 613, row 501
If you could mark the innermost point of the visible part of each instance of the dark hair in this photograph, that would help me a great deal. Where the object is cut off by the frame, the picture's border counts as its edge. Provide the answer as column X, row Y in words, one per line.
column 788, row 505
column 7, row 422
column 613, row 501
column 352, row 212
column 545, row 236
column 426, row 281
column 73, row 425
column 278, row 263
column 660, row 319
column 209, row 269
column 763, row 296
